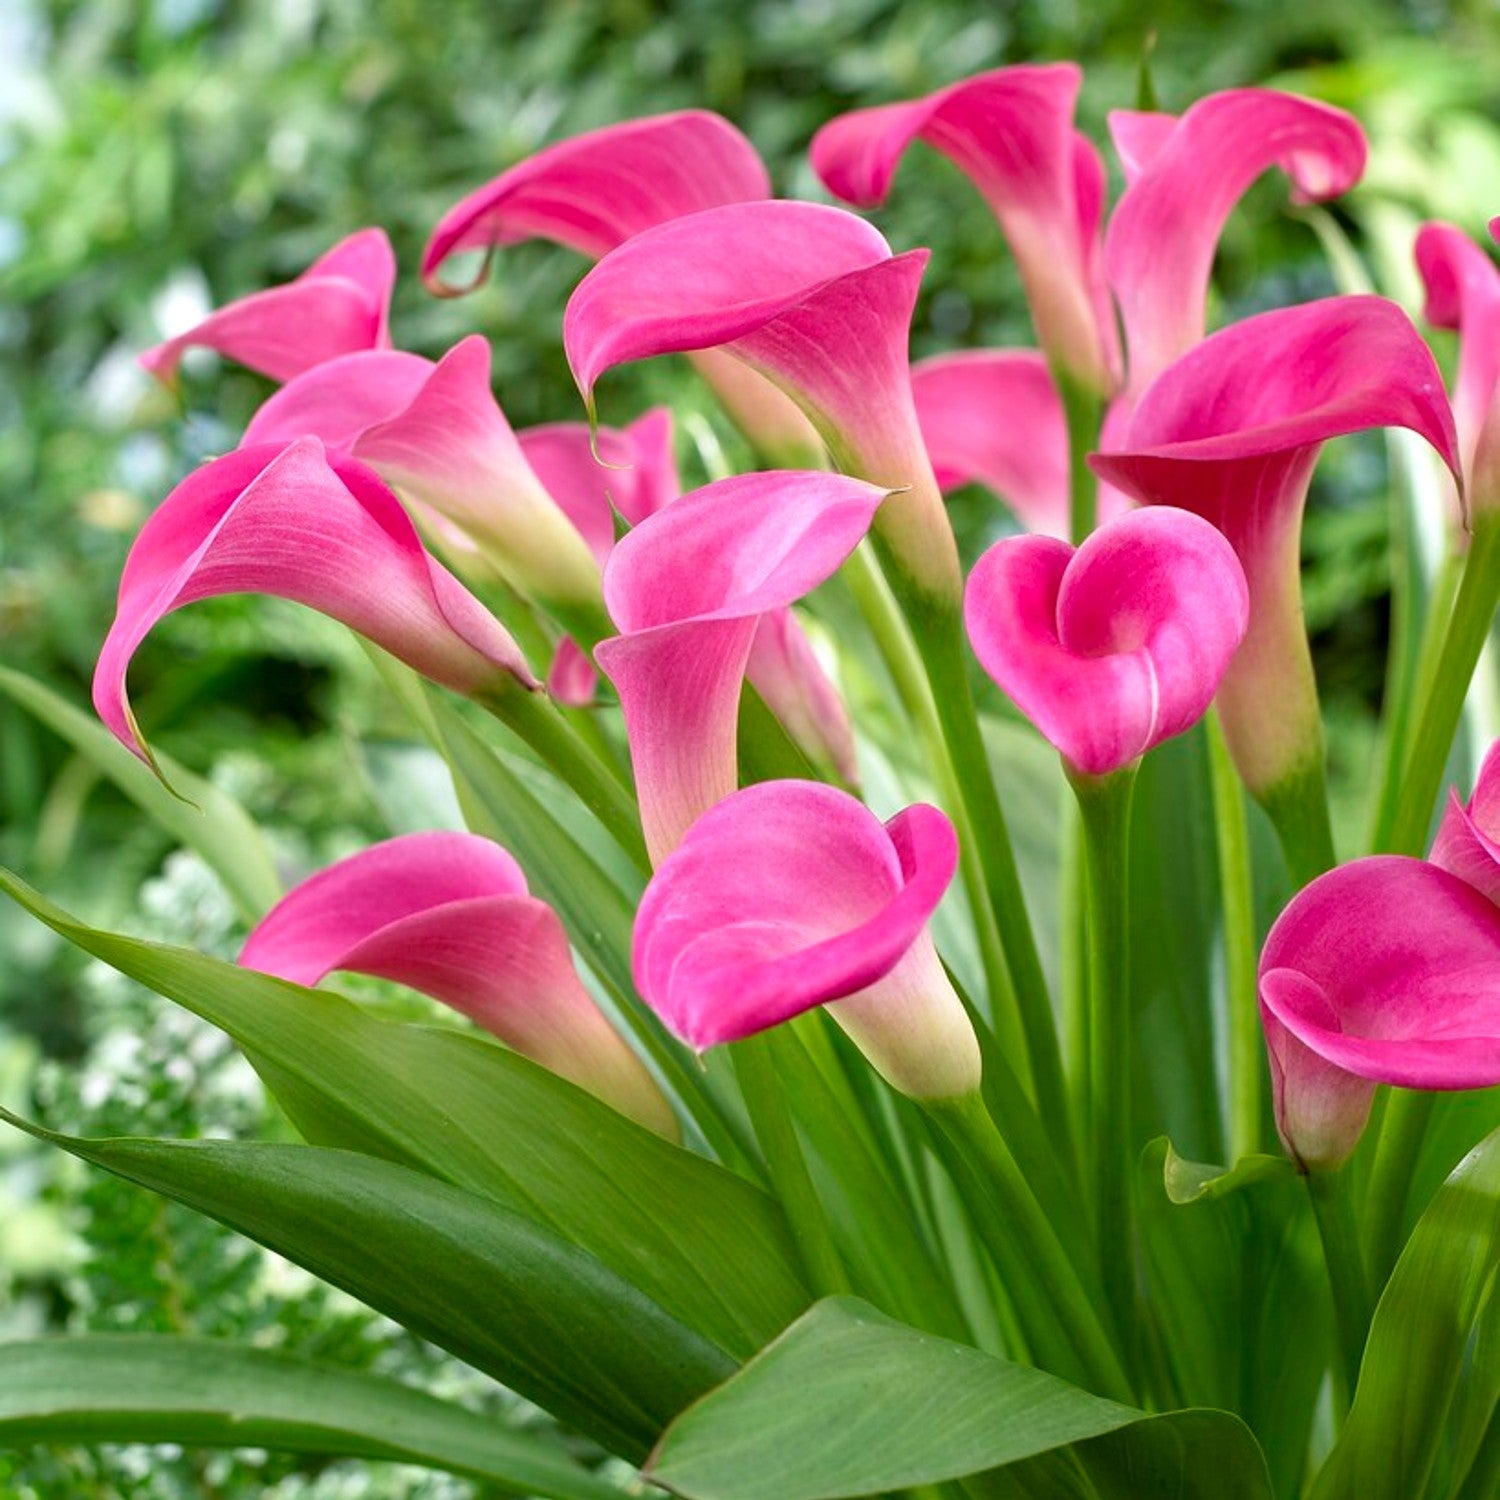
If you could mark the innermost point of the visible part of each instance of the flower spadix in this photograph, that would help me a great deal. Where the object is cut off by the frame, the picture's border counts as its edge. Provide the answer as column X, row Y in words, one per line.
column 812, row 298
column 790, row 894
column 597, row 190
column 449, row 914
column 321, row 531
column 1183, row 177
column 1114, row 646
column 1386, row 970
column 339, row 304
column 1232, row 431
column 688, row 589
column 436, row 434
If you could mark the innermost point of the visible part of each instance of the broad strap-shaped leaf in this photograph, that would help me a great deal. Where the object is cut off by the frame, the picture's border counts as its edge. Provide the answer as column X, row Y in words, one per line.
column 199, row 816
column 508, row 1297
column 201, row 1393
column 848, row 1402
column 454, row 1105
column 1415, row 1359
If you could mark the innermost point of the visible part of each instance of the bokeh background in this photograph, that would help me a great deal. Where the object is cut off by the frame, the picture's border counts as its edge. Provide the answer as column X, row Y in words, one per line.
column 159, row 158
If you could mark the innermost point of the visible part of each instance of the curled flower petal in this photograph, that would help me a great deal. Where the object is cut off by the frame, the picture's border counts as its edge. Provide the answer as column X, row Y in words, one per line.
column 789, row 895
column 1011, row 132
column 448, row 914
column 1111, row 648
column 339, row 304
column 1232, row 431
column 289, row 522
column 809, row 296
column 337, row 400
column 687, row 589
column 1468, row 840
column 1159, row 247
column 1463, row 292
column 595, row 191
column 1138, row 134
column 1386, row 970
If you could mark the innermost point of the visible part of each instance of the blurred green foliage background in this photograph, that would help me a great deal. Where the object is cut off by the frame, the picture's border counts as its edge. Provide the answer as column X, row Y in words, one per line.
column 161, row 156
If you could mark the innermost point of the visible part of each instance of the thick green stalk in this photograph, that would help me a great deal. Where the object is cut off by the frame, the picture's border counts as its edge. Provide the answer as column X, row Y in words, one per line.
column 1298, row 808
column 1104, row 802
column 537, row 721
column 1083, row 409
column 1442, row 700
column 1347, row 1276
column 1247, row 1061
column 1403, row 1128
column 1061, row 1318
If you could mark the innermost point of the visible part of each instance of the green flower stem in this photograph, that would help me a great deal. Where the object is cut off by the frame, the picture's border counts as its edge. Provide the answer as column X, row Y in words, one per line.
column 755, row 1066
column 1083, row 409
column 1074, row 968
column 1442, row 695
column 537, row 721
column 1105, row 802
column 1403, row 1128
column 1352, row 1307
column 1061, row 1317
column 1247, row 1063
column 1298, row 807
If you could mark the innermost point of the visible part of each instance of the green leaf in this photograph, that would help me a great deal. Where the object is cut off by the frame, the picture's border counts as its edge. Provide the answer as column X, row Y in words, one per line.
column 849, row 1403
column 510, row 1298
column 151, row 1388
column 202, row 818
column 1189, row 1181
column 1416, row 1363
column 698, row 1239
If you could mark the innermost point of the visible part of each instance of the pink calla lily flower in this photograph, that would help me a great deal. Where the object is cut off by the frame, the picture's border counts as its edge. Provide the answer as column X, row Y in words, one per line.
column 1182, row 184
column 449, row 914
column 435, row 433
column 809, row 296
column 597, row 190
column 1462, row 288
column 322, row 532
column 1111, row 648
column 789, row 895
column 341, row 303
column 1010, row 131
column 1386, row 970
column 1233, row 431
column 688, row 589
column 1468, row 839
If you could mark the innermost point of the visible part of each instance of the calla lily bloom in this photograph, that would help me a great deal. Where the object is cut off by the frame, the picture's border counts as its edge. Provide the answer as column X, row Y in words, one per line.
column 809, row 296
column 1386, row 970
column 341, row 303
column 1463, row 292
column 323, row 532
column 993, row 417
column 1115, row 646
column 1233, row 431
column 436, row 434
column 1010, row 131
column 1468, row 840
column 789, row 895
column 1182, row 183
column 597, row 190
column 449, row 914
column 688, row 589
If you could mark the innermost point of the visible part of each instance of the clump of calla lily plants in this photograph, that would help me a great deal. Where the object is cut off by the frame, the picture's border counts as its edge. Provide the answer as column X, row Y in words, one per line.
column 797, row 1130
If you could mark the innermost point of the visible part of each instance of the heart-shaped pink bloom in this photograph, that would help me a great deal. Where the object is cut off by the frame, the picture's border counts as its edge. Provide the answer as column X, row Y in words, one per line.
column 812, row 298
column 1182, row 184
column 1232, row 431
column 325, row 533
column 1386, row 970
column 339, row 304
column 1463, row 292
column 688, row 589
column 448, row 914
column 1114, row 646
column 1010, row 131
column 596, row 191
column 1468, row 840
column 789, row 895
column 437, row 435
